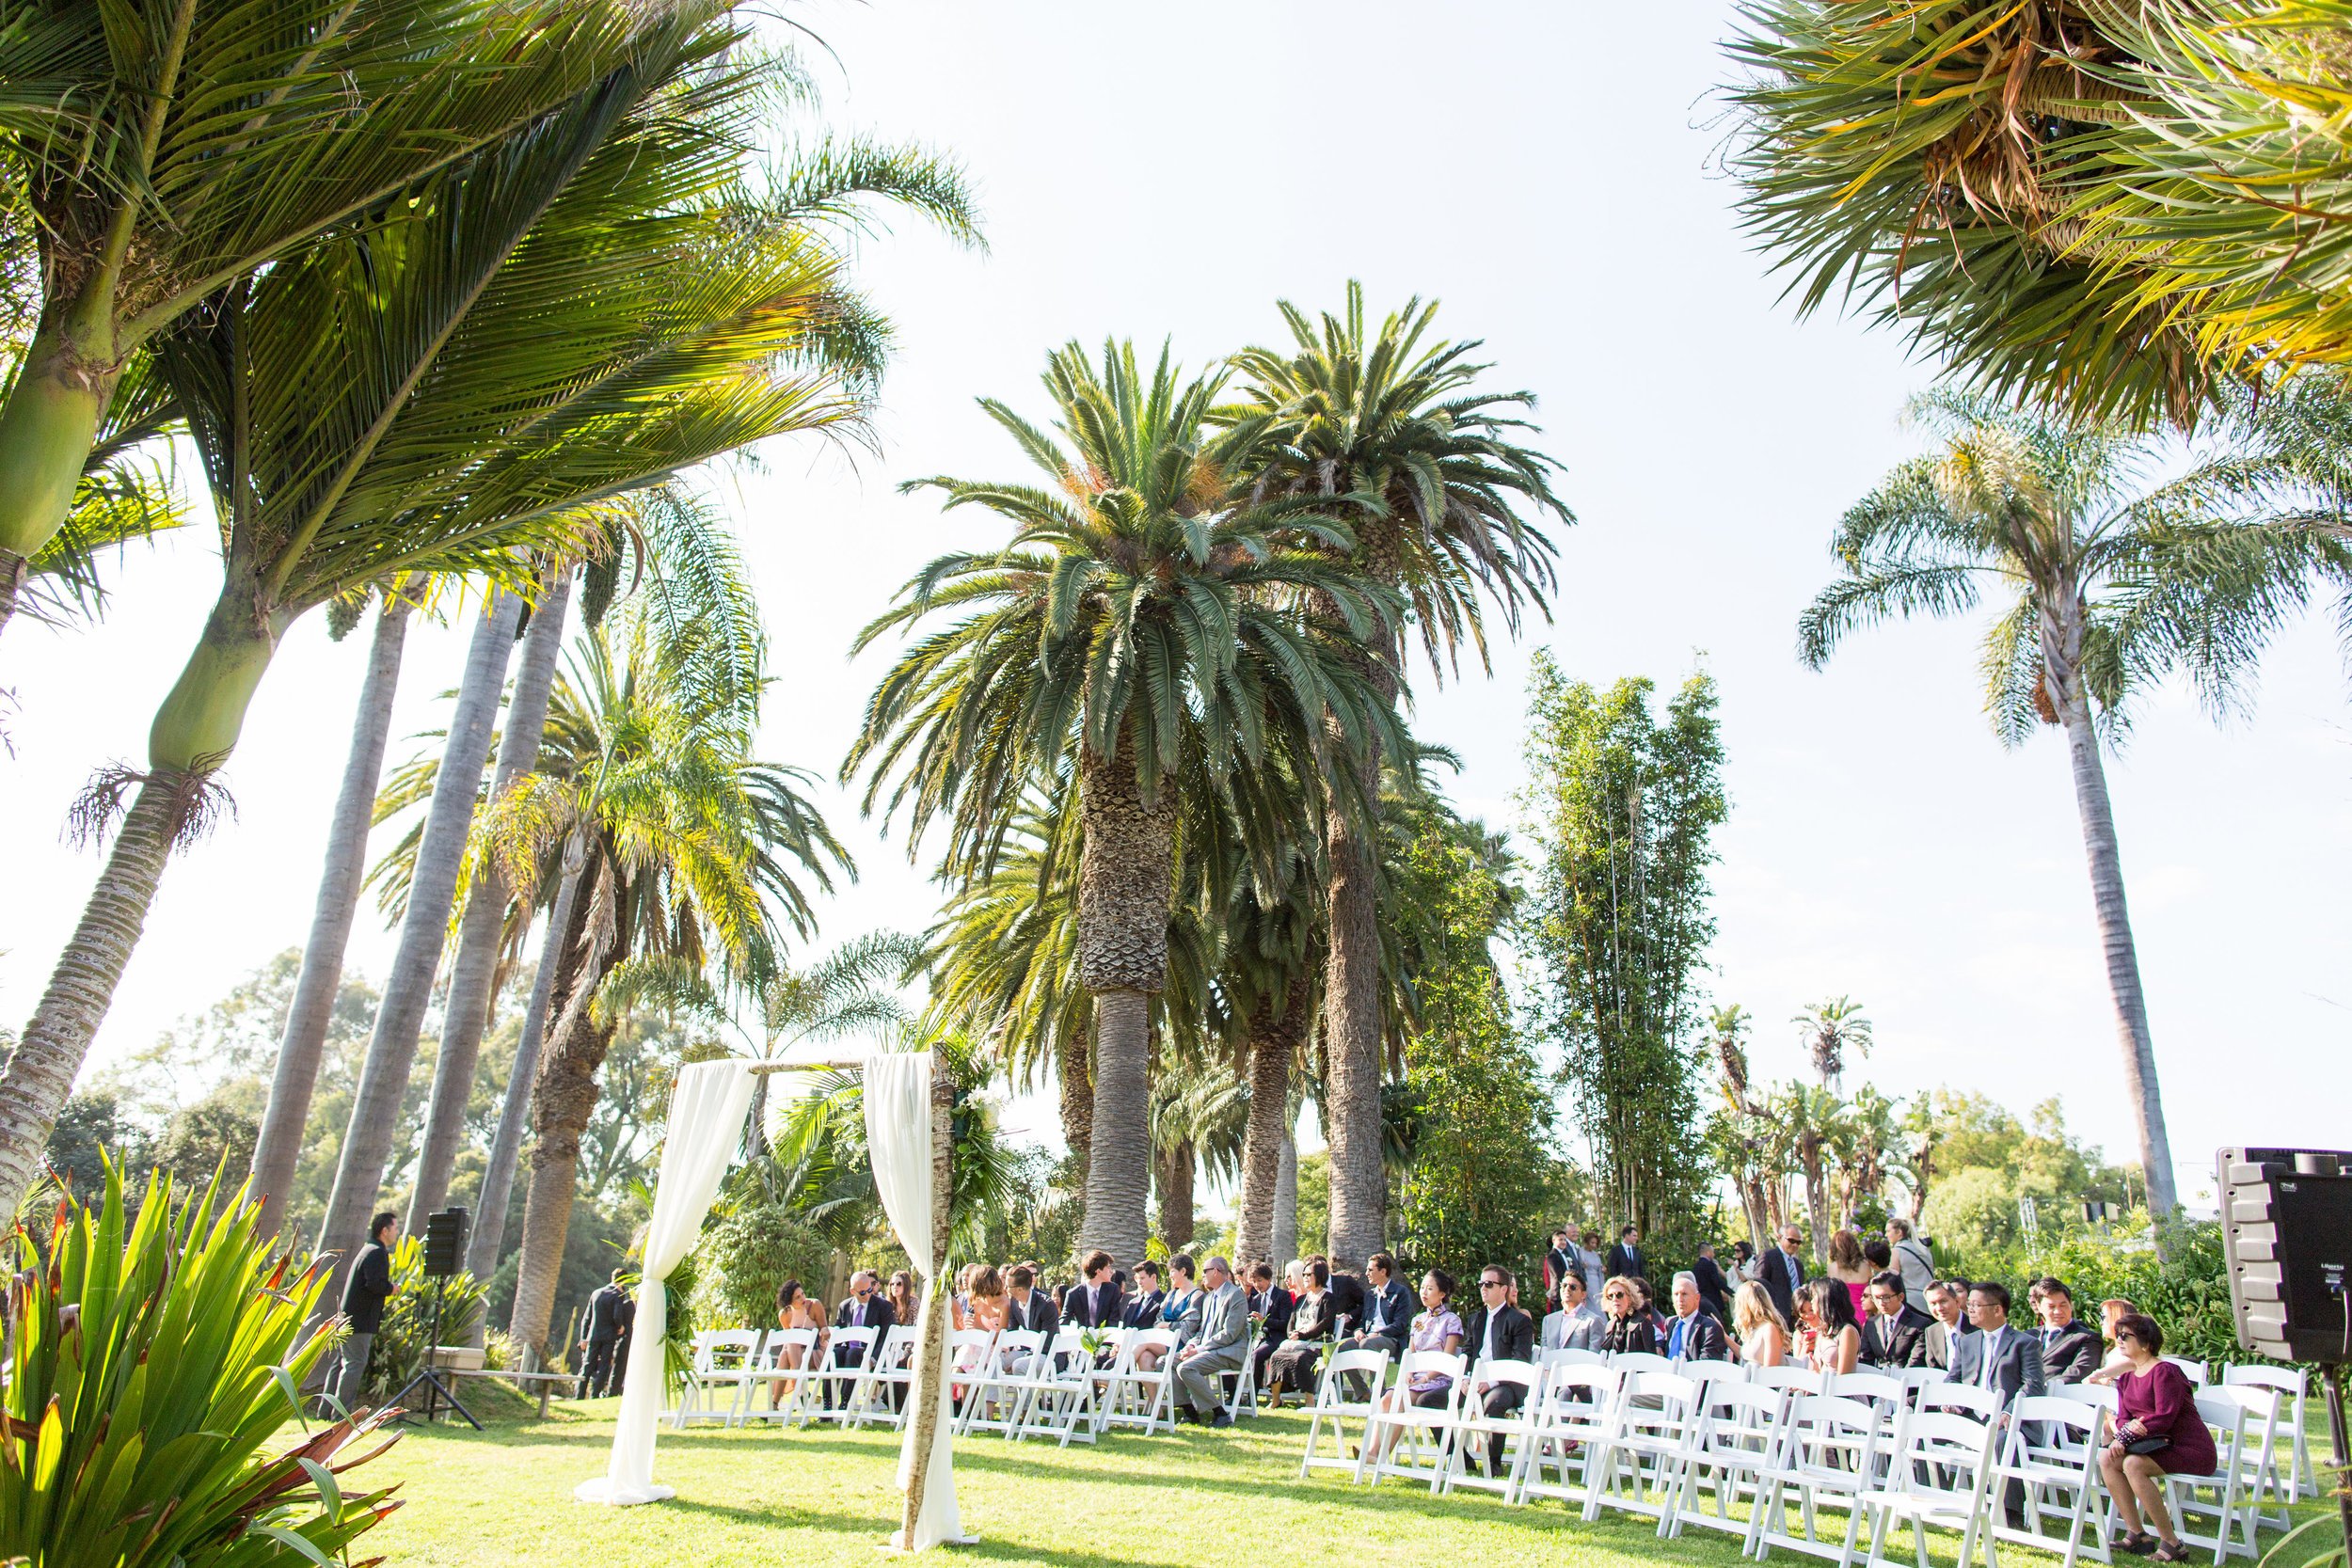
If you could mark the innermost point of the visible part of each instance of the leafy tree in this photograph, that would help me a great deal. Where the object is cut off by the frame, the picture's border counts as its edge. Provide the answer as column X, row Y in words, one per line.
column 1829, row 1030
column 1621, row 810
column 2106, row 585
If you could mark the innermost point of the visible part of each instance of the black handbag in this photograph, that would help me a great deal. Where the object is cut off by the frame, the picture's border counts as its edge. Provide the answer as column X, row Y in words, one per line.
column 2148, row 1444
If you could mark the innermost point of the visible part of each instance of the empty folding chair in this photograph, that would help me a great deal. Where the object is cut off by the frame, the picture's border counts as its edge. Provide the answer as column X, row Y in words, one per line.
column 1140, row 1396
column 1407, row 1439
column 2050, row 1449
column 1572, row 1358
column 1941, row 1477
column 1705, row 1373
column 1879, row 1389
column 1331, row 1407
column 1576, row 1412
column 1639, row 1462
column 1915, row 1378
column 786, row 1367
column 888, row 1376
column 2221, row 1496
column 1962, row 1399
column 1627, row 1362
column 1055, row 1397
column 1827, row 1459
column 2101, row 1395
column 1733, row 1434
column 1471, row 1440
column 844, row 1382
column 2269, row 1458
column 2199, row 1374
column 722, row 1360
column 1790, row 1378
column 2291, row 1382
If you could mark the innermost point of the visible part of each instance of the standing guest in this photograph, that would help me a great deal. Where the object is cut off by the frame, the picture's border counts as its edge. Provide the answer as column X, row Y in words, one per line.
column 1625, row 1257
column 1695, row 1335
column 1848, row 1266
column 1948, row 1303
column 1496, row 1331
column 1912, row 1261
column 1896, row 1333
column 1577, row 1324
column 1143, row 1307
column 369, row 1287
column 1629, row 1327
column 1745, row 1264
column 1216, row 1332
column 1559, row 1262
column 1995, row 1356
column 2158, row 1432
column 1833, row 1338
column 1436, row 1328
column 1714, row 1289
column 1095, row 1300
column 1588, row 1258
column 1783, row 1273
column 1763, row 1332
column 610, row 1314
column 1293, row 1363
column 1878, row 1255
column 1270, row 1307
column 2071, row 1349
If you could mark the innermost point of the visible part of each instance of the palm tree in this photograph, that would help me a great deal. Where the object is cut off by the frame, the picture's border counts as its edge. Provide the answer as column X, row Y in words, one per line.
column 346, row 451
column 1432, row 474
column 170, row 147
column 1812, row 1120
column 1743, row 1124
column 1197, row 1115
column 1272, row 960
column 692, row 856
column 1829, row 1030
column 1147, row 621
column 127, row 492
column 852, row 989
column 2107, row 587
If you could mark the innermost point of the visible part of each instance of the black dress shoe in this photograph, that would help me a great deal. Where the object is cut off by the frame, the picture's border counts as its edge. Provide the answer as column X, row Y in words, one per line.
column 1220, row 1419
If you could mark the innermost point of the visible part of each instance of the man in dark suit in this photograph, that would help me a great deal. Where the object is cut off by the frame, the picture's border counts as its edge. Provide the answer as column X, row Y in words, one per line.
column 1560, row 1261
column 2005, row 1360
column 1096, row 1301
column 1625, row 1257
column 2070, row 1347
column 1026, row 1307
column 1714, row 1290
column 1346, row 1292
column 1784, row 1271
column 865, row 1307
column 1143, row 1307
column 1694, row 1334
column 610, row 1314
column 1270, row 1306
column 1386, row 1319
column 1896, row 1334
column 1496, row 1331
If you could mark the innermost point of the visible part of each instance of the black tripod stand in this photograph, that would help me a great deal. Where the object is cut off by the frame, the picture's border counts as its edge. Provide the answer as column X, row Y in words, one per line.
column 444, row 1241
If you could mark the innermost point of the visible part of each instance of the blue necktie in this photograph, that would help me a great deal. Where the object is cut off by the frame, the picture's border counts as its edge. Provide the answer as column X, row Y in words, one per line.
column 1673, row 1340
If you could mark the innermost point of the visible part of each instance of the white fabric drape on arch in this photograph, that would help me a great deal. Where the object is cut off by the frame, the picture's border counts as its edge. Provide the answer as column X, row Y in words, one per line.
column 899, row 1143
column 707, row 1111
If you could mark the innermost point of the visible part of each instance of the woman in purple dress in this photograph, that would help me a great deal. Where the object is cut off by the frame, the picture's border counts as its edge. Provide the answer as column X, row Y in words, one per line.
column 2157, row 1433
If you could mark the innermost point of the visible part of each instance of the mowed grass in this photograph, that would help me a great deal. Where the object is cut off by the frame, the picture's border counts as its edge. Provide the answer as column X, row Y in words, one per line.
column 769, row 1497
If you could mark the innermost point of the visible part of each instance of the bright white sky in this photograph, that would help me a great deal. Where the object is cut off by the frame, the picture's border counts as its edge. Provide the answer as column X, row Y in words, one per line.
column 1544, row 169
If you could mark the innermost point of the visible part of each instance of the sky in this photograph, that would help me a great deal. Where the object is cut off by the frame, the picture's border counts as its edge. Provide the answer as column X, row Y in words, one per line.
column 1547, row 171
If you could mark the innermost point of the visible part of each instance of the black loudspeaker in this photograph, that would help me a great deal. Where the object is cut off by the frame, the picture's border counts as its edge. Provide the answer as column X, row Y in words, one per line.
column 445, row 1243
column 2286, row 1225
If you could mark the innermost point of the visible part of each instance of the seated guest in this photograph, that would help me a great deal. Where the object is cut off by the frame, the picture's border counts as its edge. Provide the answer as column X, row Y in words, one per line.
column 1174, row 1306
column 1387, row 1314
column 2112, row 1311
column 1897, row 1334
column 1577, row 1324
column 1714, row 1290
column 1270, row 1310
column 1215, row 1330
column 2071, row 1349
column 863, row 1307
column 794, row 1309
column 1496, row 1331
column 905, row 1305
column 1095, row 1300
column 1437, row 1328
column 2157, row 1433
column 1995, row 1356
column 1027, row 1308
column 1293, row 1363
column 1763, row 1332
column 1948, row 1303
column 1825, row 1312
column 1143, row 1307
column 1693, row 1334
column 1645, row 1302
column 1629, row 1328
column 1347, row 1296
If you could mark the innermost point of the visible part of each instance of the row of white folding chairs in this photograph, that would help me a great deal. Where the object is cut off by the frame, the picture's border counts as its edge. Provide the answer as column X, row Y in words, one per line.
column 1013, row 1383
column 806, row 1382
column 1667, row 1445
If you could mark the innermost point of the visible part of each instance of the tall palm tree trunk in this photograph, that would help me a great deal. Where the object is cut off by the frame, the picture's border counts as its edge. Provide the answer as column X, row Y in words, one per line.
column 1179, row 1171
column 1274, row 1034
column 474, row 971
column 1125, row 867
column 409, row 986
column 1286, row 1199
column 565, row 923
column 1351, row 1106
column 1077, row 1101
column 303, row 1045
column 196, row 727
column 2061, row 651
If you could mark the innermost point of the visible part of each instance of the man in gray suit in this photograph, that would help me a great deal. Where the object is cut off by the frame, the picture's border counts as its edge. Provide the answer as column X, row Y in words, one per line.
column 2005, row 1360
column 1211, row 1339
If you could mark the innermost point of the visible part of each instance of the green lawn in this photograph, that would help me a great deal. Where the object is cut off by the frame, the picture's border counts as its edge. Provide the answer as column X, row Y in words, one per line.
column 771, row 1498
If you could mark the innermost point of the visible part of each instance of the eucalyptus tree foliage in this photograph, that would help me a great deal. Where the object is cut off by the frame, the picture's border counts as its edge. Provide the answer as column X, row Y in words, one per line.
column 2106, row 583
column 1621, row 808
column 170, row 148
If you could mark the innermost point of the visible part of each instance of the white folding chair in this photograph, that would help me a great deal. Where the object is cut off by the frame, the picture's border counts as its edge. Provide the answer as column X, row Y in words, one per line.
column 1874, row 1388
column 2050, row 1448
column 793, row 1387
column 1473, row 1431
column 1137, row 1396
column 1241, row 1385
column 844, row 1385
column 1055, row 1397
column 1732, row 1439
column 2101, row 1395
column 2269, row 1449
column 1941, row 1477
column 1330, row 1405
column 1627, row 1362
column 1790, row 1377
column 971, row 1352
column 1967, row 1399
column 2221, row 1496
column 1705, row 1373
column 1573, row 1358
column 1417, row 1432
column 1915, row 1378
column 997, row 1390
column 1575, row 1414
column 1641, row 1460
column 889, row 1377
column 2291, row 1382
column 722, row 1359
column 2198, row 1373
column 1828, row 1457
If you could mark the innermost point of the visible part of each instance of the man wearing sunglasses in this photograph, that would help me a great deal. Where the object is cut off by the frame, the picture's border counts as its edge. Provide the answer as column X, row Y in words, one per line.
column 1496, row 1331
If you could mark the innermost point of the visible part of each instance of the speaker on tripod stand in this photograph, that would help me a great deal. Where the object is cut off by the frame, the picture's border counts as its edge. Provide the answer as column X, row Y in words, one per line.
column 444, row 1255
